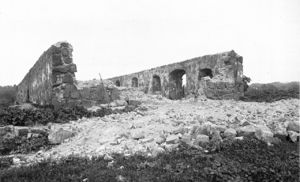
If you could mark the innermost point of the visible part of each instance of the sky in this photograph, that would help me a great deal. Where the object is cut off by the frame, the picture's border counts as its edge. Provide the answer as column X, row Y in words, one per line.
column 116, row 37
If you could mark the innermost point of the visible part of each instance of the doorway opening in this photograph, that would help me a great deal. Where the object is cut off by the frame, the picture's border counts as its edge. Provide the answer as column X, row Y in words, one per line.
column 177, row 84
column 134, row 82
column 118, row 84
column 156, row 84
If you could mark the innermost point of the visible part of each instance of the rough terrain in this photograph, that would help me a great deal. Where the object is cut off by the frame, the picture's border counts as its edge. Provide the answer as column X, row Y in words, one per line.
column 159, row 125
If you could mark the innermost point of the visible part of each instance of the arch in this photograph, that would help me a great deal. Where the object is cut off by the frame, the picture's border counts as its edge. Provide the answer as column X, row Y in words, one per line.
column 205, row 72
column 156, row 84
column 118, row 84
column 134, row 82
column 176, row 87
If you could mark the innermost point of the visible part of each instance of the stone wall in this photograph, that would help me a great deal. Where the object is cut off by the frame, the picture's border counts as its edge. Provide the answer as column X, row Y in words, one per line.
column 51, row 81
column 217, row 76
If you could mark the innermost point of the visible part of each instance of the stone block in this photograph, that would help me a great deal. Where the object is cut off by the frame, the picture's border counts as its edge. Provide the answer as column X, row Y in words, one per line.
column 65, row 68
column 68, row 78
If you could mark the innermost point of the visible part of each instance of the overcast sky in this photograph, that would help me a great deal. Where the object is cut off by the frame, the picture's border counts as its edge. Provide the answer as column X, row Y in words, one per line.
column 116, row 37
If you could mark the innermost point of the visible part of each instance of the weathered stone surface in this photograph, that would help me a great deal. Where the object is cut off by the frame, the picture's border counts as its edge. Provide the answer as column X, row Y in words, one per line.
column 230, row 133
column 138, row 135
column 65, row 68
column 294, row 136
column 59, row 136
column 216, row 76
column 201, row 139
column 172, row 139
column 246, row 130
column 264, row 133
column 294, row 126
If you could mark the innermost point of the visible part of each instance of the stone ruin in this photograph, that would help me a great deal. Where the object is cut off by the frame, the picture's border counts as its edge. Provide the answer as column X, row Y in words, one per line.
column 51, row 81
column 218, row 76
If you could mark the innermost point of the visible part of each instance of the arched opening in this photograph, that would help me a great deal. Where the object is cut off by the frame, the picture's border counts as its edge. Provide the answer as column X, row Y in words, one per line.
column 134, row 82
column 118, row 83
column 177, row 84
column 156, row 84
column 205, row 72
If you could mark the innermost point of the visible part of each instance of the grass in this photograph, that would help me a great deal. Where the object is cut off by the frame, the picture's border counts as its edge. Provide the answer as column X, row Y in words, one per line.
column 247, row 160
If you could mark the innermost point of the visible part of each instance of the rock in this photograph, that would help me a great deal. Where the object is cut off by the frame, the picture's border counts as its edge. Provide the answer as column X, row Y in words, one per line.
column 230, row 133
column 294, row 126
column 160, row 140
column 187, row 139
column 113, row 104
column 138, row 135
column 157, row 150
column 59, row 136
column 16, row 161
column 294, row 136
column 201, row 139
column 264, row 133
column 108, row 157
column 178, row 130
column 220, row 128
column 121, row 102
column 246, row 130
column 172, row 139
column 280, row 130
column 147, row 140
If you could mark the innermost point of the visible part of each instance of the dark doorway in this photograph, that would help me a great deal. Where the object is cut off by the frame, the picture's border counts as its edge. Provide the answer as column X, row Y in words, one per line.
column 118, row 83
column 156, row 84
column 205, row 72
column 176, row 84
column 134, row 82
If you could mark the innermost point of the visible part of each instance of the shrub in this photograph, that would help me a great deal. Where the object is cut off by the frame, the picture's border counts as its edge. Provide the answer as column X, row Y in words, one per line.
column 271, row 92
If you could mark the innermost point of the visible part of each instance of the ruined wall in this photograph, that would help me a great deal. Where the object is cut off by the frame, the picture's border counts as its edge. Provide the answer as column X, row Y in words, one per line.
column 217, row 76
column 51, row 81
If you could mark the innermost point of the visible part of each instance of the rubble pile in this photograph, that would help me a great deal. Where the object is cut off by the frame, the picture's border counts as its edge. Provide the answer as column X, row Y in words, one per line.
column 158, row 125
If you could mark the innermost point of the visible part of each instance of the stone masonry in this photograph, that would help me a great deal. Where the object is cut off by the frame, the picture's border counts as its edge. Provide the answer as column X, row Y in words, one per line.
column 217, row 76
column 51, row 81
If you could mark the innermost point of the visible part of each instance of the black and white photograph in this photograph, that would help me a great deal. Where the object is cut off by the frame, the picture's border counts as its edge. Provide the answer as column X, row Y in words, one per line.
column 149, row 90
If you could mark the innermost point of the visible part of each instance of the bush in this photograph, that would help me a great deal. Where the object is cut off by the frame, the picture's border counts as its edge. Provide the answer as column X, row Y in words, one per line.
column 7, row 95
column 271, row 92
column 17, row 117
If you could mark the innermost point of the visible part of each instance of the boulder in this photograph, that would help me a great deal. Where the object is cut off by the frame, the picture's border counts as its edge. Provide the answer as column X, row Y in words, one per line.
column 121, row 102
column 59, row 136
column 201, row 139
column 160, row 140
column 138, row 135
column 230, row 133
column 294, row 136
column 172, row 139
column 294, row 126
column 264, row 133
column 246, row 130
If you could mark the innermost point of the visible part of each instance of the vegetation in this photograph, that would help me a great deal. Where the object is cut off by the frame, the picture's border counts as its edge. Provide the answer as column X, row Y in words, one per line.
column 246, row 160
column 7, row 95
column 18, row 117
column 271, row 92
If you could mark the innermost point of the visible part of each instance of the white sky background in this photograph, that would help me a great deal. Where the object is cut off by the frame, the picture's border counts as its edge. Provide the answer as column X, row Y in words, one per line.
column 117, row 37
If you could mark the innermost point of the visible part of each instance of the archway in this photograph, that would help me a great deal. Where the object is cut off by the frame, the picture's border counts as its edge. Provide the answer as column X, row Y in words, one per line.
column 156, row 84
column 205, row 72
column 176, row 84
column 118, row 83
column 134, row 82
